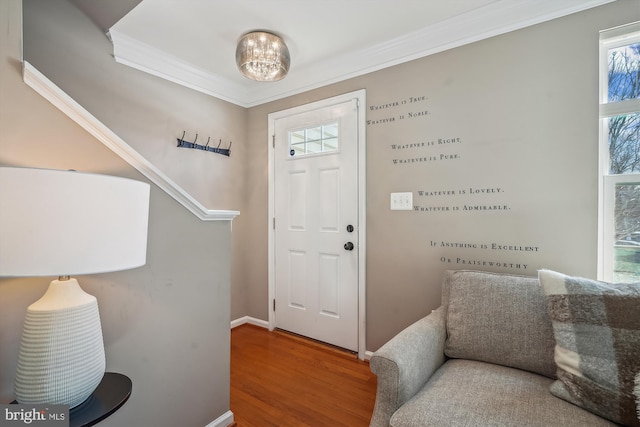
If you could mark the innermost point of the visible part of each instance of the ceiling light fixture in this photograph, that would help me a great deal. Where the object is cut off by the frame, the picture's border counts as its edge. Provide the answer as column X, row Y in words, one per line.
column 262, row 56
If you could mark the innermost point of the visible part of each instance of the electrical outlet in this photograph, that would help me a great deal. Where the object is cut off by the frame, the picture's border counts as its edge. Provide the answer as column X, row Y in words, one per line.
column 401, row 201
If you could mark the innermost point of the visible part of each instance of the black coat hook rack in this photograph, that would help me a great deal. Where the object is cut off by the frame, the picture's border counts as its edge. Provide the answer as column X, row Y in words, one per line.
column 207, row 147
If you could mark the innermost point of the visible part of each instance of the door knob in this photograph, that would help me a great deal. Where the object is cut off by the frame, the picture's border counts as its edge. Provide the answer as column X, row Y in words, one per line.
column 348, row 246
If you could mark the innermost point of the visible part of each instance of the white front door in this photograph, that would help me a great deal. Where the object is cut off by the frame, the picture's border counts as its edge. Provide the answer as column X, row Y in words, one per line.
column 316, row 206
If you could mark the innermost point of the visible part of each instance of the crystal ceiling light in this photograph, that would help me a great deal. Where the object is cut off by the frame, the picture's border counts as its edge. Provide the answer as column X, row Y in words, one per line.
column 262, row 56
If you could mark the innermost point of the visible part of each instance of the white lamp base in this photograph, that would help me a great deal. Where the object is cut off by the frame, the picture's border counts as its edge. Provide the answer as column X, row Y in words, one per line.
column 61, row 358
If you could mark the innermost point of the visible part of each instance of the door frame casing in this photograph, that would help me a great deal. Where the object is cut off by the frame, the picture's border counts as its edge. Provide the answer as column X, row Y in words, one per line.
column 360, row 96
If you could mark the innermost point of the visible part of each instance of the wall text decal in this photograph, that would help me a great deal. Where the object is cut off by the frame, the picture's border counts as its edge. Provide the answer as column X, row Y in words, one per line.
column 457, row 183
column 425, row 200
column 405, row 109
column 483, row 255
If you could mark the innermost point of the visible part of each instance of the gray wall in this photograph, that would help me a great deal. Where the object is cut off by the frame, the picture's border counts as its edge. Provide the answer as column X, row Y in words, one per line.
column 525, row 106
column 147, row 112
column 165, row 325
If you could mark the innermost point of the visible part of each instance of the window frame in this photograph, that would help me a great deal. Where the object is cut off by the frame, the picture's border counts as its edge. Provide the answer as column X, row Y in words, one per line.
column 304, row 154
column 611, row 38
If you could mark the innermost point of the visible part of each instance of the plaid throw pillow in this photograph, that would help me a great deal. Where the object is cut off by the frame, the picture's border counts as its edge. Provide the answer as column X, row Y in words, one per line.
column 636, row 391
column 597, row 331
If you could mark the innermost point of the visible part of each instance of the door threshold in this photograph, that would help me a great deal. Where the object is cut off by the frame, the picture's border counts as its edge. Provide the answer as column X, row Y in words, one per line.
column 317, row 343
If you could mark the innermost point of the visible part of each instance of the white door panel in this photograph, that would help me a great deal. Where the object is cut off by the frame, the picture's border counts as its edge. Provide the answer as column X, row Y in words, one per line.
column 316, row 198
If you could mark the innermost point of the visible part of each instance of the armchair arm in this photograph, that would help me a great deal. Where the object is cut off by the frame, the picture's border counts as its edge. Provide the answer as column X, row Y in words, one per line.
column 405, row 363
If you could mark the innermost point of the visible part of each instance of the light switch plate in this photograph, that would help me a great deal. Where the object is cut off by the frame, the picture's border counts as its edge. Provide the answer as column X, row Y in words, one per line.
column 402, row 201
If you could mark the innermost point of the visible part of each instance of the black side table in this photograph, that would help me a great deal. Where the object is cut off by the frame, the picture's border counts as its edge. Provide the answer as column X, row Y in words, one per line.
column 112, row 392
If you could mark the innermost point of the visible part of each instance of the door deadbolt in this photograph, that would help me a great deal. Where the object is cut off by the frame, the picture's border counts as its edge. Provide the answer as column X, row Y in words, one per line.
column 349, row 228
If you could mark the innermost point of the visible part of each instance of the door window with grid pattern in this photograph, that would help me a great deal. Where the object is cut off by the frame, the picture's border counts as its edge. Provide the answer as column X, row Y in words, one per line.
column 315, row 140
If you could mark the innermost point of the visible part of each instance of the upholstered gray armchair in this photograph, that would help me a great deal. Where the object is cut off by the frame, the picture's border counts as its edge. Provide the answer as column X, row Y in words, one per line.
column 483, row 358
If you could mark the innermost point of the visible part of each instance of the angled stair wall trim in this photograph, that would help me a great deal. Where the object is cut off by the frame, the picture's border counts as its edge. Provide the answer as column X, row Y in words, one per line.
column 56, row 96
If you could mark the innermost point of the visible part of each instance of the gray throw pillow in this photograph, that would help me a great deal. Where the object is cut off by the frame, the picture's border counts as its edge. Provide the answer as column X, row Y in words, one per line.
column 498, row 318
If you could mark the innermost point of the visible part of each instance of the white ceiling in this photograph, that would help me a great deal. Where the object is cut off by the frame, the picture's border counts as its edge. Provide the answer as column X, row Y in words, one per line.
column 192, row 42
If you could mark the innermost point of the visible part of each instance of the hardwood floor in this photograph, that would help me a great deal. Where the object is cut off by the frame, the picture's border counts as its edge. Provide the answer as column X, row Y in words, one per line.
column 278, row 379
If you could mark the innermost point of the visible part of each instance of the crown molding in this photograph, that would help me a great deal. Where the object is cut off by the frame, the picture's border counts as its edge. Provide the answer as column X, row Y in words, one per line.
column 141, row 56
column 497, row 18
column 56, row 96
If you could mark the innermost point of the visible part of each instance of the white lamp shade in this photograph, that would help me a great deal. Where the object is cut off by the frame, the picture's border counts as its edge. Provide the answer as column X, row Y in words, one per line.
column 61, row 223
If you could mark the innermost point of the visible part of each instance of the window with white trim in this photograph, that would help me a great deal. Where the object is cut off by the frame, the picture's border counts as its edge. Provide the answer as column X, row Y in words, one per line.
column 619, row 192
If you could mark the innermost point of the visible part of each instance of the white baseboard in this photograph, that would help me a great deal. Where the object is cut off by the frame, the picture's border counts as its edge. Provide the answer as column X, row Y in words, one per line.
column 223, row 420
column 249, row 320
